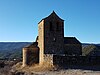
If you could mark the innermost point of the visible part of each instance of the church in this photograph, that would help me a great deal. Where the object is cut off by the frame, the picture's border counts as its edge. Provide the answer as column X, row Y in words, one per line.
column 51, row 43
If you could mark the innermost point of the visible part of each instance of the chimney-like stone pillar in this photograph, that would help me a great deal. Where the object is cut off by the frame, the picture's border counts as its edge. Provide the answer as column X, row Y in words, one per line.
column 25, row 57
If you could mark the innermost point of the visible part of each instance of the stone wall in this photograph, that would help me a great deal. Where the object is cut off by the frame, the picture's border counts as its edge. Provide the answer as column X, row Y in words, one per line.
column 25, row 57
column 73, row 49
column 41, row 41
column 63, row 60
column 48, row 59
column 54, row 35
column 30, row 56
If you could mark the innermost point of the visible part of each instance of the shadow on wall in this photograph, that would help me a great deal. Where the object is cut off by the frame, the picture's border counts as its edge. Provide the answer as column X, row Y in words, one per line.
column 77, row 62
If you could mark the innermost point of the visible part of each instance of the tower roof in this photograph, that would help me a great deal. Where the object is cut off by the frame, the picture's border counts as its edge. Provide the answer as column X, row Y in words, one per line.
column 52, row 14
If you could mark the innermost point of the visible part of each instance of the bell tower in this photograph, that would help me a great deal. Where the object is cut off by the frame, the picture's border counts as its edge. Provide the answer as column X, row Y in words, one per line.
column 51, row 35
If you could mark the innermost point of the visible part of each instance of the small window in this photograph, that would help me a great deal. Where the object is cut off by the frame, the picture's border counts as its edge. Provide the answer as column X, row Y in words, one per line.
column 51, row 26
column 58, row 27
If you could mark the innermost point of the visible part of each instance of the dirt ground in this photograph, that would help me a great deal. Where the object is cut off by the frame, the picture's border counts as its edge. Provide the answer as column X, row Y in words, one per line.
column 61, row 72
column 71, row 72
column 51, row 70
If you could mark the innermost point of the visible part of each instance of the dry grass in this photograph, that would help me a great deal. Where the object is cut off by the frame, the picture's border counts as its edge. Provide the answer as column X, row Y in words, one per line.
column 47, row 69
column 33, row 68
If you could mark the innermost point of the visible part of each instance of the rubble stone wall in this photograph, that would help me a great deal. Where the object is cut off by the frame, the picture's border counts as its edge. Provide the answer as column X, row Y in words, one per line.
column 73, row 49
column 48, row 59
column 30, row 56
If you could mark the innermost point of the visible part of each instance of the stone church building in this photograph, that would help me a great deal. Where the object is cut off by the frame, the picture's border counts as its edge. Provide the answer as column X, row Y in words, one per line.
column 50, row 43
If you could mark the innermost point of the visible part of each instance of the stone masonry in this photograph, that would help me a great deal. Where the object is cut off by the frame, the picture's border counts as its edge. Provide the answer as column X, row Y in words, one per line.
column 50, row 42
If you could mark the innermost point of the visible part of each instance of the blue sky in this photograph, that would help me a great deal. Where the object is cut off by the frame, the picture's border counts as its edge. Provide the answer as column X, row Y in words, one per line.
column 19, row 19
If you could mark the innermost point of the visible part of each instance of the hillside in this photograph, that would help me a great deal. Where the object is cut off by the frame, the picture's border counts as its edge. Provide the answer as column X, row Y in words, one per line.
column 10, row 50
column 91, row 49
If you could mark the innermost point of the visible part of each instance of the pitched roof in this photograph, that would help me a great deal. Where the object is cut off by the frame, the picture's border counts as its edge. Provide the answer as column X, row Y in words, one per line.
column 71, row 40
column 54, row 14
column 34, row 44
